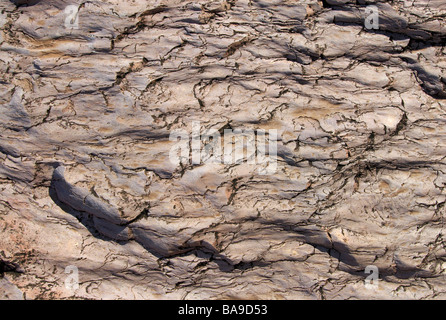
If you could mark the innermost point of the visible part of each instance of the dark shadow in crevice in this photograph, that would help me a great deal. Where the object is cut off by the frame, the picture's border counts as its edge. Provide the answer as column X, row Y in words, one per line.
column 83, row 217
column 337, row 250
column 201, row 249
column 420, row 41
column 345, row 256
column 9, row 267
column 431, row 84
column 25, row 3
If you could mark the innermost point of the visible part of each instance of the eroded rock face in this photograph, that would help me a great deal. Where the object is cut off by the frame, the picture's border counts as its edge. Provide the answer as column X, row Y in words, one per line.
column 90, row 98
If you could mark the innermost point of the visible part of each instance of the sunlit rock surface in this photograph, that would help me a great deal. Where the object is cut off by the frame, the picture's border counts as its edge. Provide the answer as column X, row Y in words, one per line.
column 89, row 101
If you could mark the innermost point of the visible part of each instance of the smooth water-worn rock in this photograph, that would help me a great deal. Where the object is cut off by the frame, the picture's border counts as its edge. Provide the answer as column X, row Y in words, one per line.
column 96, row 96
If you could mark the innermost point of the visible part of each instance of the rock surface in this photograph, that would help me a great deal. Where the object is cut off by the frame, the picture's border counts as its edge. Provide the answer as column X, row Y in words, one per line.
column 88, row 103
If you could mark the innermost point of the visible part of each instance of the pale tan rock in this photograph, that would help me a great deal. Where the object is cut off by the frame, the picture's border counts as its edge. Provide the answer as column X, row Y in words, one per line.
column 87, row 182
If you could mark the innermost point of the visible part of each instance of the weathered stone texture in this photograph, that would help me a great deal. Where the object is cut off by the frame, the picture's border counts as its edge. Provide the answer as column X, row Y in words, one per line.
column 85, row 176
